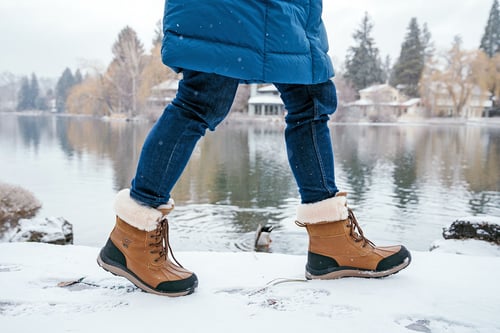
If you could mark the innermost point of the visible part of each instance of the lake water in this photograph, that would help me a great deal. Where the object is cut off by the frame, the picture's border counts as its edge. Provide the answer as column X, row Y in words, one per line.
column 405, row 182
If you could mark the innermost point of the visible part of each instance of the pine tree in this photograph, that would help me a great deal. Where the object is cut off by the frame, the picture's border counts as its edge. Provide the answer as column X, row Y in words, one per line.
column 363, row 64
column 490, row 43
column 78, row 78
column 23, row 100
column 34, row 92
column 28, row 94
column 427, row 43
column 386, row 68
column 408, row 69
column 63, row 86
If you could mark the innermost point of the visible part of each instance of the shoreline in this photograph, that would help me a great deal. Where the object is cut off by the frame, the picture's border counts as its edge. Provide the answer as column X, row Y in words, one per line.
column 279, row 120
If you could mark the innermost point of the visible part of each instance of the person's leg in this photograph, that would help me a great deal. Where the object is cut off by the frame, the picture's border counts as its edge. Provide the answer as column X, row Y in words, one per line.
column 308, row 141
column 138, row 247
column 337, row 246
column 202, row 102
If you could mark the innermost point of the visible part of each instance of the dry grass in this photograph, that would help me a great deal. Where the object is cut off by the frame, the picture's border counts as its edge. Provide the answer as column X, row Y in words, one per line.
column 16, row 203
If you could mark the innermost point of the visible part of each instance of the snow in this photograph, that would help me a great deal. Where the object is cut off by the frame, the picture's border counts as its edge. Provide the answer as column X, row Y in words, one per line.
column 55, row 230
column 480, row 219
column 468, row 247
column 438, row 292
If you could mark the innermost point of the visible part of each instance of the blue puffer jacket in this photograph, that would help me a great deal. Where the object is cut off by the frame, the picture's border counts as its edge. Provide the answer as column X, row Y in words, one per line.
column 280, row 41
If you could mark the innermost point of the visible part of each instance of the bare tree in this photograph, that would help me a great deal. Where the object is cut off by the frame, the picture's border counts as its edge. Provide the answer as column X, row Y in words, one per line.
column 451, row 75
column 126, row 68
column 487, row 75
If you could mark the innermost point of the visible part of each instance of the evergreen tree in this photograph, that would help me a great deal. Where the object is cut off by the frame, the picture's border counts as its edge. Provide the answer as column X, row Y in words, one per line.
column 78, row 78
column 63, row 86
column 23, row 100
column 28, row 94
column 408, row 69
column 427, row 43
column 386, row 68
column 363, row 64
column 34, row 91
column 490, row 43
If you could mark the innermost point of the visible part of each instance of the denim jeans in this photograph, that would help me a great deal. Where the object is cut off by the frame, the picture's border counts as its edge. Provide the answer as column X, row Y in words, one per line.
column 203, row 100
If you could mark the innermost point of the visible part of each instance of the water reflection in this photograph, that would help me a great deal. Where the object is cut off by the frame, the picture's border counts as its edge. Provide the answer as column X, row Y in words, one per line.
column 405, row 182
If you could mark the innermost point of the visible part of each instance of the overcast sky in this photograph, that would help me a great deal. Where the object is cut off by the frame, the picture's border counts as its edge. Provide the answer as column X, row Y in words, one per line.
column 46, row 36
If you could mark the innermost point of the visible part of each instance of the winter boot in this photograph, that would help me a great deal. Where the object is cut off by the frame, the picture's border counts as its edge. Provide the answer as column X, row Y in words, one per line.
column 338, row 248
column 138, row 249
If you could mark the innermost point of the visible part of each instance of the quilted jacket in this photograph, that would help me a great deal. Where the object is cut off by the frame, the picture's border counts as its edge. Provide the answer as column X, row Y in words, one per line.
column 275, row 41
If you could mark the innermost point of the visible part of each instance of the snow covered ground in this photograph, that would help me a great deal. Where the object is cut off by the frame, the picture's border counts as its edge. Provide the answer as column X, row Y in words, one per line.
column 241, row 292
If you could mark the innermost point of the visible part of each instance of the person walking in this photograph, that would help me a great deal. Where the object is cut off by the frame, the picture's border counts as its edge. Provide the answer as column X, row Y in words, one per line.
column 217, row 45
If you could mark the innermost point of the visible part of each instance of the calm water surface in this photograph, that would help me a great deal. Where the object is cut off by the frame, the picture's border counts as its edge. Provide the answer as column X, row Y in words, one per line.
column 405, row 182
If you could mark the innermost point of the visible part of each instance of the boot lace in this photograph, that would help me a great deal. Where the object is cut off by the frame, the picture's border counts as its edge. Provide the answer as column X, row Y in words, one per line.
column 356, row 232
column 162, row 242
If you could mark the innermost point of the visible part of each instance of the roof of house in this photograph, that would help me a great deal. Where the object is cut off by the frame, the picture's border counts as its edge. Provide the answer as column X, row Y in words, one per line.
column 171, row 84
column 367, row 102
column 377, row 87
column 267, row 88
column 411, row 102
column 265, row 99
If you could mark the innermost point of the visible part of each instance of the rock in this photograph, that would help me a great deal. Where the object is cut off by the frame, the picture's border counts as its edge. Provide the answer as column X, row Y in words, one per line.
column 54, row 230
column 16, row 203
column 473, row 229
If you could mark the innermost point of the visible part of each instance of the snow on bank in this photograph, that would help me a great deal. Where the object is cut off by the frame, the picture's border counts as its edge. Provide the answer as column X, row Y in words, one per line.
column 439, row 292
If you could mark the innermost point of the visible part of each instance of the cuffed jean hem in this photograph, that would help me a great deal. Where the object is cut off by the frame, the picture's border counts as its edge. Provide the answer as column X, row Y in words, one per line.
column 148, row 200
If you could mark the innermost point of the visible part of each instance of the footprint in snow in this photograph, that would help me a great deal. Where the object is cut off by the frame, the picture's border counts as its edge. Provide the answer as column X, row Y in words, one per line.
column 435, row 325
column 9, row 268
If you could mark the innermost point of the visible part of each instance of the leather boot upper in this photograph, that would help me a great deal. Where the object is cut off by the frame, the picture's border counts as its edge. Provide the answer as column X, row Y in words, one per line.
column 335, row 233
column 146, row 253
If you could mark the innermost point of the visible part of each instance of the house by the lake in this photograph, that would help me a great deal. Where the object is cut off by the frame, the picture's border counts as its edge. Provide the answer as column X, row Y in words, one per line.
column 265, row 101
column 163, row 93
column 383, row 102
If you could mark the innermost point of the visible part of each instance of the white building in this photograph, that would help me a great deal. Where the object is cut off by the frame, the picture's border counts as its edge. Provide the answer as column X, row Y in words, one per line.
column 163, row 93
column 265, row 101
column 383, row 102
column 441, row 102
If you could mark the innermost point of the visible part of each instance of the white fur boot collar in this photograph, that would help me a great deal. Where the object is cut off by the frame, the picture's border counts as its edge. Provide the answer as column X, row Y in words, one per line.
column 328, row 210
column 139, row 216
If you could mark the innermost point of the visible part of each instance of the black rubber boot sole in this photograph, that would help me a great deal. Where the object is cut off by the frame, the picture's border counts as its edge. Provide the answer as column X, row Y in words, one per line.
column 341, row 272
column 118, row 269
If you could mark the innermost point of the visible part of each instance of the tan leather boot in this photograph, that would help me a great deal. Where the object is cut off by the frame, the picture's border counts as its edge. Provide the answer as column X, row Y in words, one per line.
column 338, row 247
column 138, row 249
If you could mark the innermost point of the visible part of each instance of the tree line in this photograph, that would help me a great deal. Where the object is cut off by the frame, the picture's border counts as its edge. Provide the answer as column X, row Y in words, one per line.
column 420, row 71
column 125, row 85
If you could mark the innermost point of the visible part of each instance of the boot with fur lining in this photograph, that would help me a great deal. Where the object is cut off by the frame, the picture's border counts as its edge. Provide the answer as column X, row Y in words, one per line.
column 138, row 249
column 338, row 247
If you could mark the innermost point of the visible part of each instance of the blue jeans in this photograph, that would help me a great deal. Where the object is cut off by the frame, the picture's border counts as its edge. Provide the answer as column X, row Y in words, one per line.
column 203, row 100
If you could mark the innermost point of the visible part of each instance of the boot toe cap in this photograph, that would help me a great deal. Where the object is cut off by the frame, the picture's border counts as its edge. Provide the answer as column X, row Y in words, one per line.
column 394, row 260
column 187, row 285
